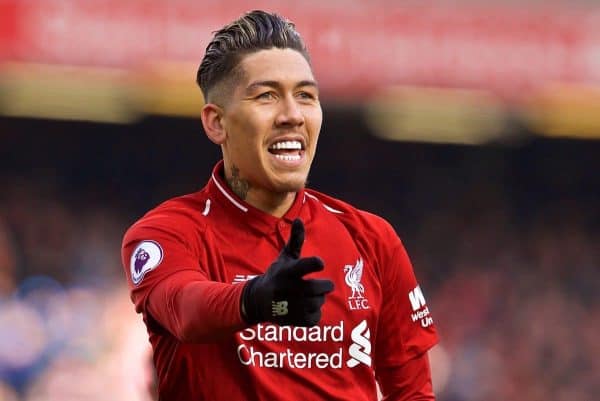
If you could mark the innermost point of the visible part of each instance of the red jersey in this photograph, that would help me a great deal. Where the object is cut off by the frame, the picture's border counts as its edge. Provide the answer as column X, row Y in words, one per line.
column 375, row 320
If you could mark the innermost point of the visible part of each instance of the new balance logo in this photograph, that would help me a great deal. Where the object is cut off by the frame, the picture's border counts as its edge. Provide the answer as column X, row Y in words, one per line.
column 241, row 278
column 360, row 351
column 279, row 308
column 417, row 300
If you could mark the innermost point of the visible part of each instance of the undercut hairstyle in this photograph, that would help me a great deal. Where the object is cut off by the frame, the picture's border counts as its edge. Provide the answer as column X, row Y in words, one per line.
column 254, row 31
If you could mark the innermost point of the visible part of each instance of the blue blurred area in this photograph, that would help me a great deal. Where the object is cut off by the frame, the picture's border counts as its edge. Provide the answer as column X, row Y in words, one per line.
column 504, row 239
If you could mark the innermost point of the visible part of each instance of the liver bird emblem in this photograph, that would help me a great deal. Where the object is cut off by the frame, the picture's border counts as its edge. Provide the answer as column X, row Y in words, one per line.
column 353, row 276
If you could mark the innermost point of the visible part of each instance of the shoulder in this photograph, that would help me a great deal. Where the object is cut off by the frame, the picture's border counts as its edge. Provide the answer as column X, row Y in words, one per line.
column 361, row 223
column 174, row 217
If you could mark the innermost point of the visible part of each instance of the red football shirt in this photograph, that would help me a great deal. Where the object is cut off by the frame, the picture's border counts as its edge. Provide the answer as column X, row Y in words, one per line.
column 375, row 320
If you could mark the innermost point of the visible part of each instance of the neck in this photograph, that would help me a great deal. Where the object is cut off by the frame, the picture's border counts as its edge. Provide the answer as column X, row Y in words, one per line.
column 274, row 203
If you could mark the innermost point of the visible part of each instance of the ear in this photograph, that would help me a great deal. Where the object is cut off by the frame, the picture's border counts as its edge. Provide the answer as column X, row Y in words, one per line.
column 211, row 120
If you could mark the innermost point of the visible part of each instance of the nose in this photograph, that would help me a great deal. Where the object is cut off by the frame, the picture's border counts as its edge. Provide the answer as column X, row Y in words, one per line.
column 290, row 113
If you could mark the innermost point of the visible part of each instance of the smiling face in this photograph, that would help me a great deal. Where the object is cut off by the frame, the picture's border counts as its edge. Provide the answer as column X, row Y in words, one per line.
column 271, row 122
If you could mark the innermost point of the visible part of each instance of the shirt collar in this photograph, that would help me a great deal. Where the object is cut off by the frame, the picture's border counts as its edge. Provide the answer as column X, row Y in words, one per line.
column 242, row 211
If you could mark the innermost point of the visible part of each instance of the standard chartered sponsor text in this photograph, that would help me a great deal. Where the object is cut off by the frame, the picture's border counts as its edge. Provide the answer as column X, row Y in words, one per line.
column 271, row 332
column 250, row 355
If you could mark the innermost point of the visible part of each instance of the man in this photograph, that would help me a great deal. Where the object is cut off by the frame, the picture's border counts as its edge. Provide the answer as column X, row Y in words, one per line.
column 234, row 308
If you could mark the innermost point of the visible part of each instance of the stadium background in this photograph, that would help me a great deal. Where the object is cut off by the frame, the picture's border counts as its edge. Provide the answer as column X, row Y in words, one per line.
column 472, row 126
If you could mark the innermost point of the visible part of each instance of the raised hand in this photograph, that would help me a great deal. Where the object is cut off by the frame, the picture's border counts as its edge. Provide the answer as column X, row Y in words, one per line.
column 282, row 295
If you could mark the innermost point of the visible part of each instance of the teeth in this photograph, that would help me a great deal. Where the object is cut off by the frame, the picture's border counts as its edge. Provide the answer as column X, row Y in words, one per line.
column 287, row 145
column 288, row 158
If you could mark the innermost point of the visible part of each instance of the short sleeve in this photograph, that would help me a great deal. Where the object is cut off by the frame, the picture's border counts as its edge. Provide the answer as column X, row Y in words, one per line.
column 405, row 328
column 151, row 253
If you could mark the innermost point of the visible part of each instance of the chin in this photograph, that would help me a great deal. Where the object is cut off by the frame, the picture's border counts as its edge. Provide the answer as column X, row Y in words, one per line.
column 290, row 185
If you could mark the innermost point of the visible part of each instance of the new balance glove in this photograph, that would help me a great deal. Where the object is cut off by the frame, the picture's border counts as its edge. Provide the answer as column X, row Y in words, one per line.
column 282, row 295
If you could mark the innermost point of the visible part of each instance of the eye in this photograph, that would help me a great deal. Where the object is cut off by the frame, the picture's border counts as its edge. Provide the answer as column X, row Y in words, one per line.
column 266, row 96
column 305, row 95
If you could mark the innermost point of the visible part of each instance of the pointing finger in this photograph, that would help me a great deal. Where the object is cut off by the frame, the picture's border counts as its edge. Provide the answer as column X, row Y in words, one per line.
column 294, row 244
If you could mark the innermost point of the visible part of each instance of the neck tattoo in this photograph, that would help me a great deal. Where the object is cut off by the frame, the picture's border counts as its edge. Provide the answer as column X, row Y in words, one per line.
column 238, row 185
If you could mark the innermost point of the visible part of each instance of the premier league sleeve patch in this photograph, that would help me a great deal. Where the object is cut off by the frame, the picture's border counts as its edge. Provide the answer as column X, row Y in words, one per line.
column 146, row 256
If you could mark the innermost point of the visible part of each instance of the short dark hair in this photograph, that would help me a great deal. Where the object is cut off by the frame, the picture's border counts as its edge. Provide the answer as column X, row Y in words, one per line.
column 253, row 31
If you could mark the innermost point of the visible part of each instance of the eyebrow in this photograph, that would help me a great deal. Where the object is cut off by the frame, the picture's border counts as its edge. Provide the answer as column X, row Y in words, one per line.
column 277, row 84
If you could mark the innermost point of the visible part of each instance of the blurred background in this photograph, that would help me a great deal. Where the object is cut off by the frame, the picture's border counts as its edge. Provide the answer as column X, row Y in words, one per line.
column 472, row 126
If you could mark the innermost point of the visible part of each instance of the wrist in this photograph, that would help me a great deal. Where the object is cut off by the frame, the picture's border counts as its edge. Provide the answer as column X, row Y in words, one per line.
column 243, row 310
column 247, row 307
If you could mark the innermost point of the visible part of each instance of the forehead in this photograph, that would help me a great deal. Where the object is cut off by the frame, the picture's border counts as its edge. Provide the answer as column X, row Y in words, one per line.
column 286, row 66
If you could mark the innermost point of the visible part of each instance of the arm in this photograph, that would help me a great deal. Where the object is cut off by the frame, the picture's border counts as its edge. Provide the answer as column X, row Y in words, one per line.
column 405, row 331
column 162, row 256
column 195, row 310
column 408, row 382
column 170, row 287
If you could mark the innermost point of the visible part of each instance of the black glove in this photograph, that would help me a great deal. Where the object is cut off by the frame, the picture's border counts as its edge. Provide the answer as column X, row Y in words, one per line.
column 281, row 295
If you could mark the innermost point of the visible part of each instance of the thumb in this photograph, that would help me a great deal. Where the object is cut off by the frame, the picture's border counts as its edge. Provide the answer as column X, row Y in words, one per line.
column 294, row 244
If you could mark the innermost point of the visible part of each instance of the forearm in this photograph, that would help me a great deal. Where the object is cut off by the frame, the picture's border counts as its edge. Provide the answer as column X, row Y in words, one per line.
column 409, row 382
column 198, row 311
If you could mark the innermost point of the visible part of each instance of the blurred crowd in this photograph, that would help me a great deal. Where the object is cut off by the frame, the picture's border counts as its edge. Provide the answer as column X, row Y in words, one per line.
column 514, row 293
column 68, row 329
column 517, row 306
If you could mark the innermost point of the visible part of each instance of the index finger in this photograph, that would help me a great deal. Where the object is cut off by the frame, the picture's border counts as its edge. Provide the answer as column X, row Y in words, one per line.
column 294, row 244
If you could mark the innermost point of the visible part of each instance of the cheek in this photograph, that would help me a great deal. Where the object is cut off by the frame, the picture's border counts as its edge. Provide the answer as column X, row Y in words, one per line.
column 249, row 150
column 314, row 127
column 243, row 136
column 314, row 119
